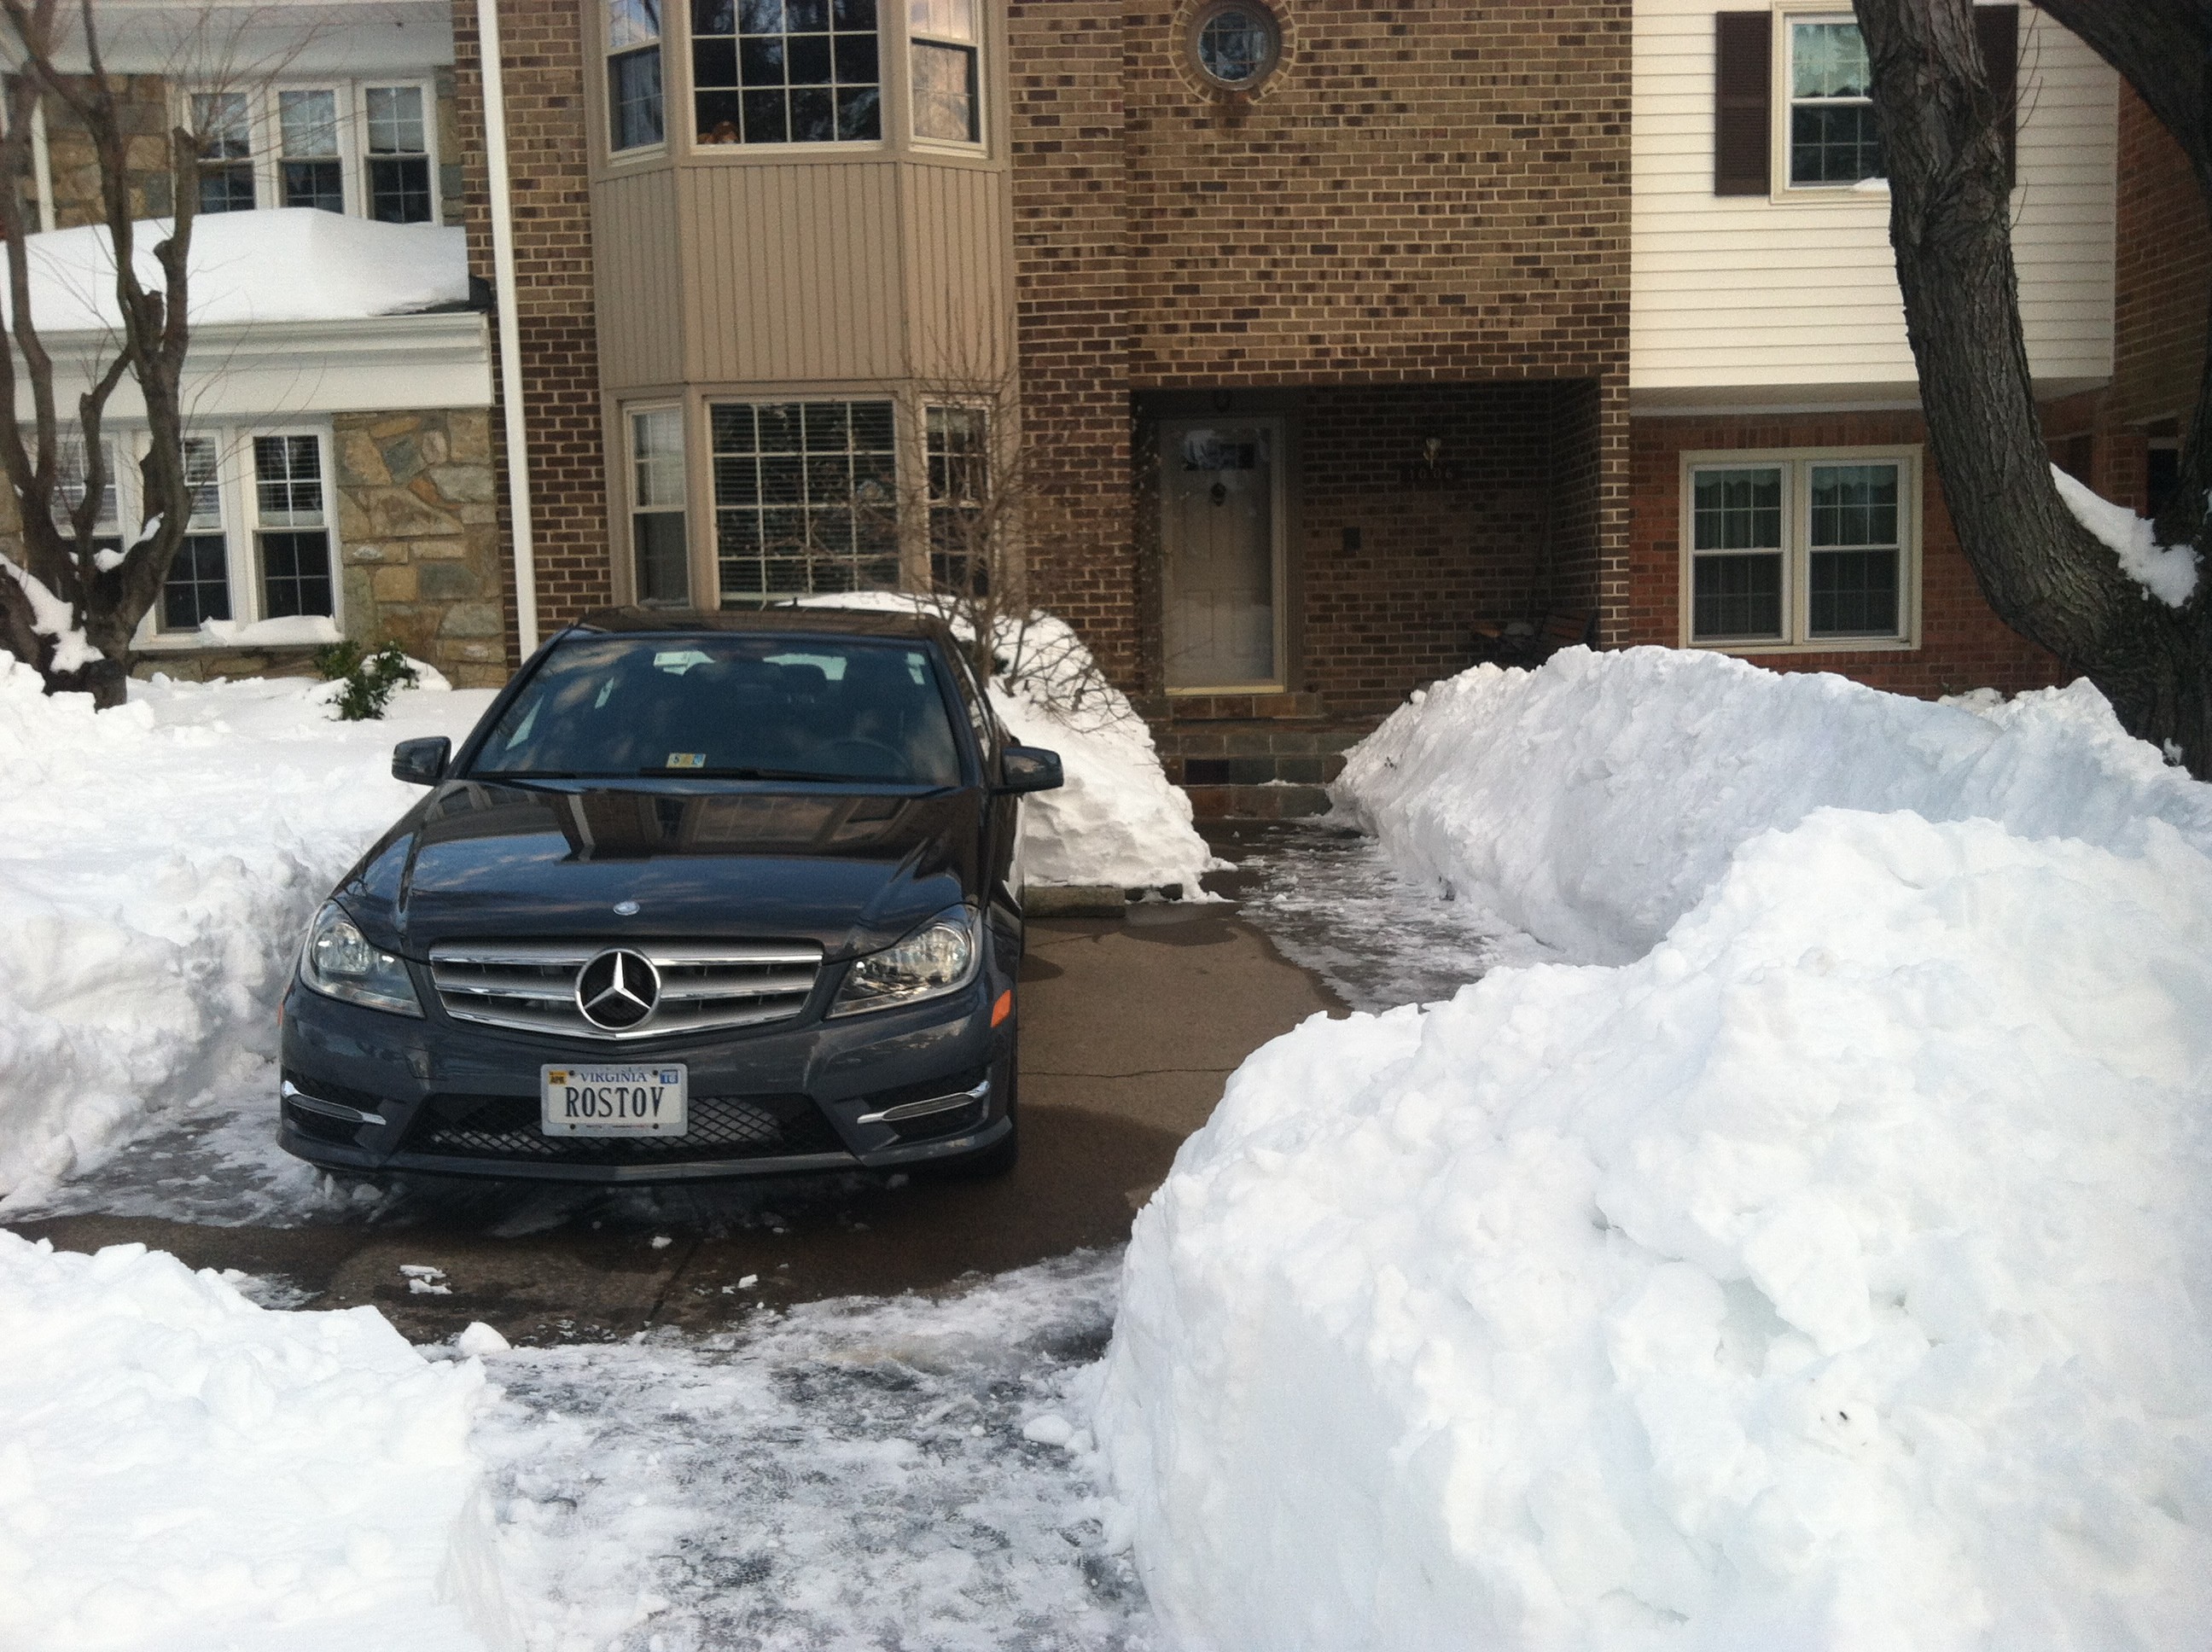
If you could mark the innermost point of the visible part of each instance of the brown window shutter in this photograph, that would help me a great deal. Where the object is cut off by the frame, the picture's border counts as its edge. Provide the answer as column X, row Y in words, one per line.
column 1996, row 30
column 1743, row 106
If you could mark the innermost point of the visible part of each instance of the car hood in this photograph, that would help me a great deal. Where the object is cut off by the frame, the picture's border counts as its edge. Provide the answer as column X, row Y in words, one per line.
column 853, row 870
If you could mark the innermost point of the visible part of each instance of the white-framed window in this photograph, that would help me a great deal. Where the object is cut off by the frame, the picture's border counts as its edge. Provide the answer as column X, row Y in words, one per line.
column 945, row 40
column 1804, row 548
column 957, row 443
column 661, row 544
column 636, row 118
column 367, row 147
column 785, row 71
column 805, row 496
column 261, row 542
column 1829, row 139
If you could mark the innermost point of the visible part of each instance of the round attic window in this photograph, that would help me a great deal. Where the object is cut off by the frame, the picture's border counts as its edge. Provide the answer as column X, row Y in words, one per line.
column 1236, row 45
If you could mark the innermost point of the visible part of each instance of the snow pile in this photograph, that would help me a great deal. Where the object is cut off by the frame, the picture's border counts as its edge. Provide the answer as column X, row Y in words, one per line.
column 1836, row 1275
column 2167, row 571
column 288, row 264
column 182, row 1470
column 158, row 865
column 1594, row 802
column 1118, row 820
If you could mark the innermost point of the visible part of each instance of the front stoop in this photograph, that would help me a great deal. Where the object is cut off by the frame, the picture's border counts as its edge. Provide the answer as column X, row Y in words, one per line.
column 1256, row 767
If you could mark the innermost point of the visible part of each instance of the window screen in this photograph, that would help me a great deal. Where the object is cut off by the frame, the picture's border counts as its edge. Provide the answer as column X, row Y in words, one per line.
column 1737, row 556
column 1832, row 131
column 1854, row 552
column 806, row 497
column 398, row 155
column 785, row 71
column 634, row 100
column 224, row 124
column 294, row 543
column 311, row 172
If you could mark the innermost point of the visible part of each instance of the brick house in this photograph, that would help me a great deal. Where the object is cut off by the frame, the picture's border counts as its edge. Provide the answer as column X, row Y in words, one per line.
column 1328, row 333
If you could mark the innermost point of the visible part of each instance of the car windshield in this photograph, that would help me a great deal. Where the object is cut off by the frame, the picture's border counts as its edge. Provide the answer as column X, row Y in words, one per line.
column 731, row 708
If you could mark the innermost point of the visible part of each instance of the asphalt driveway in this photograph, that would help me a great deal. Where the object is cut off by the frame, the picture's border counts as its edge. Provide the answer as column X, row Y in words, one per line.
column 1130, row 1030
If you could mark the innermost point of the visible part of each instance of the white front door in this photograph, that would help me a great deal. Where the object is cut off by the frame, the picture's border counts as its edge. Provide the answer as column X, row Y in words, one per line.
column 1219, row 528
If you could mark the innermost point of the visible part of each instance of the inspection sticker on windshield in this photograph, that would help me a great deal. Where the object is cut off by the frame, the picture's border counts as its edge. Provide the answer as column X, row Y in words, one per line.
column 686, row 759
column 640, row 1100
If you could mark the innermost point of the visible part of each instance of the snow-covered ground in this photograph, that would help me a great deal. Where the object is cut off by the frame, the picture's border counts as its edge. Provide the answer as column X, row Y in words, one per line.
column 183, row 1471
column 1830, row 1271
column 1331, row 902
column 855, row 1474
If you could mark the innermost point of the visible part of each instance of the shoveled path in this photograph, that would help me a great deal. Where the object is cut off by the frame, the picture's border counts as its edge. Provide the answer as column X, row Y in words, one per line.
column 1129, row 1030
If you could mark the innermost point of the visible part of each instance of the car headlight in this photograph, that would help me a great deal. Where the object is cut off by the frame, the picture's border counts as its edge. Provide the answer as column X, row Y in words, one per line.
column 938, row 958
column 338, row 962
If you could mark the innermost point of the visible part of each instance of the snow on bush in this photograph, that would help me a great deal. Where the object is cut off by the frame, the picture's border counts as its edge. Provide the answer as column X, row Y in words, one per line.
column 1595, row 802
column 158, row 865
column 1834, row 1275
column 181, row 1470
column 1118, row 820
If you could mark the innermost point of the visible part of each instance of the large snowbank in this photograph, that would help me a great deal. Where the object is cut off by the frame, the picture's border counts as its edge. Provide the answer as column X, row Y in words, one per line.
column 288, row 264
column 158, row 865
column 1834, row 1275
column 1118, row 821
column 1596, row 801
column 182, row 1471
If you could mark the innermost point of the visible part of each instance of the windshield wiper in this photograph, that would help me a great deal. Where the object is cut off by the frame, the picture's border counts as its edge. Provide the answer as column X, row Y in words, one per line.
column 664, row 773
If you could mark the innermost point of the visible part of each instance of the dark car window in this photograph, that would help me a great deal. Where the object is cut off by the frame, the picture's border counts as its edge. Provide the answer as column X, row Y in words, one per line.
column 743, row 707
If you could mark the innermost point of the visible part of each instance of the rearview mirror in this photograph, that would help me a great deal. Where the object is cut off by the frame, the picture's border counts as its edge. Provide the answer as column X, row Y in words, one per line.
column 1027, row 769
column 421, row 763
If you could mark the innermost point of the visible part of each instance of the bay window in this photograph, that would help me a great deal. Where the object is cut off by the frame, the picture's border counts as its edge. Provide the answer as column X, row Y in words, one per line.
column 785, row 71
column 947, row 103
column 635, row 118
column 659, row 546
column 806, row 497
column 1801, row 550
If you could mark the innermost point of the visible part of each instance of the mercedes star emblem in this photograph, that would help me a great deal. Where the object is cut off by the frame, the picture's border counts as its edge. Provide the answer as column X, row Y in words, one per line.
column 617, row 989
column 625, row 908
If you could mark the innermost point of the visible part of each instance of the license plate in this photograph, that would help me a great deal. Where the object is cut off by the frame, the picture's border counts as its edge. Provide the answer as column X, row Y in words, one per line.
column 606, row 1100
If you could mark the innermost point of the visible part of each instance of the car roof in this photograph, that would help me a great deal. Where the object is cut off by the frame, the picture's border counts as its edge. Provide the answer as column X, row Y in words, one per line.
column 789, row 621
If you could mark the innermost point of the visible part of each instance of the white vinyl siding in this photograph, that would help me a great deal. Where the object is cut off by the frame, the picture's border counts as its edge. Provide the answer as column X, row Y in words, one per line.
column 1752, row 300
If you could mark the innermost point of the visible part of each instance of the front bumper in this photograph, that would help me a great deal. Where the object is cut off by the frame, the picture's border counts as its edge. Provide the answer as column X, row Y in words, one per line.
column 369, row 1093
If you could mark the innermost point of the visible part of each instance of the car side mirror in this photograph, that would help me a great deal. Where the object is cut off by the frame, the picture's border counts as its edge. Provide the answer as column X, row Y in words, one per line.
column 1027, row 769
column 421, row 763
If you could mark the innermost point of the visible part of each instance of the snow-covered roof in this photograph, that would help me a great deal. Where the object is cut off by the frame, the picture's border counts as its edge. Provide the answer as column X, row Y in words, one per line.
column 290, row 263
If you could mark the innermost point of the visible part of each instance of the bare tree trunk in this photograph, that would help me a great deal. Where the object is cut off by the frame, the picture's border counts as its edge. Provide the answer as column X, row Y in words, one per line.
column 100, row 596
column 1951, row 226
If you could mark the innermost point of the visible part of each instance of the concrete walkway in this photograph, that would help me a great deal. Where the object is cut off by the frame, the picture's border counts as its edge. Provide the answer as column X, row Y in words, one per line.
column 1129, row 1030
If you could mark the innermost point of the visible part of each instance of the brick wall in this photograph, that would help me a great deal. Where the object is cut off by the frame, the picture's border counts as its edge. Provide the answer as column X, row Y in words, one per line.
column 2165, row 255
column 548, row 159
column 1071, row 308
column 1417, row 195
column 1963, row 644
column 1434, row 555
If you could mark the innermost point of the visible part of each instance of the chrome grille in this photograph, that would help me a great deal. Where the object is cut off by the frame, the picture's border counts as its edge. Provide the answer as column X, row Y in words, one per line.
column 705, row 986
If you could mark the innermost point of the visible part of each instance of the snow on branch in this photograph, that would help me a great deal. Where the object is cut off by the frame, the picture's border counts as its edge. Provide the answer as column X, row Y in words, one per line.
column 2167, row 571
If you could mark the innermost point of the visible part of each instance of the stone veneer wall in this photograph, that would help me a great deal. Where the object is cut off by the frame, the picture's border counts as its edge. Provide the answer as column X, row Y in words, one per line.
column 418, row 524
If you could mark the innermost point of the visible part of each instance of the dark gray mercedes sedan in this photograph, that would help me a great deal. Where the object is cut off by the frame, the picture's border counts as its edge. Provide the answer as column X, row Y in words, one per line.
column 703, row 896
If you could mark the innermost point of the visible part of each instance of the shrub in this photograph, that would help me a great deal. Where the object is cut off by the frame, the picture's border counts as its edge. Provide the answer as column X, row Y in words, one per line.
column 369, row 678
